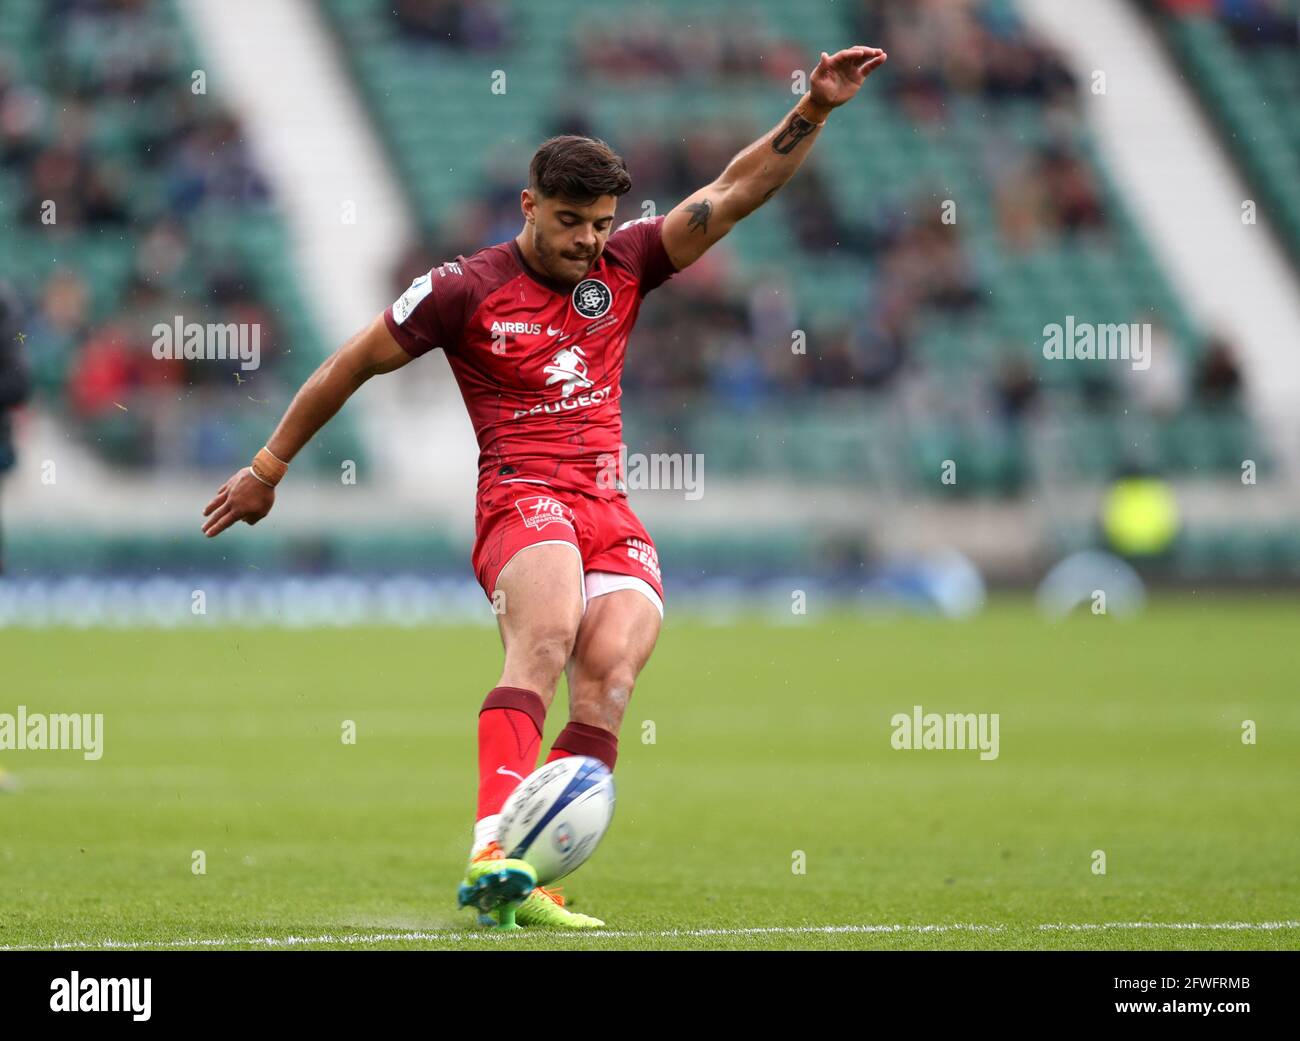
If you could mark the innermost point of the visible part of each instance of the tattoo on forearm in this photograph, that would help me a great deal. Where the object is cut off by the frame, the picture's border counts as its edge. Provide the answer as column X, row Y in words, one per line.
column 700, row 213
column 791, row 134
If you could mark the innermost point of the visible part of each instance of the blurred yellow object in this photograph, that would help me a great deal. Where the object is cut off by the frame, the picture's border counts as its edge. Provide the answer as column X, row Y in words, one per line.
column 1140, row 516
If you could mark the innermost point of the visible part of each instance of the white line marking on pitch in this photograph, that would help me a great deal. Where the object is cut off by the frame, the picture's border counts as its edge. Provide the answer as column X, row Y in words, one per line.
column 355, row 939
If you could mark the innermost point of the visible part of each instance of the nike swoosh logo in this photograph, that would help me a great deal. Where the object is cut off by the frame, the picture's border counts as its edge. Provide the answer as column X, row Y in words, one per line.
column 553, row 332
column 503, row 770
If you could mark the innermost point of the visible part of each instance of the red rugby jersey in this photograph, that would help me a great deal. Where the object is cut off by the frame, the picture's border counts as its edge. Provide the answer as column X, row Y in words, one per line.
column 539, row 363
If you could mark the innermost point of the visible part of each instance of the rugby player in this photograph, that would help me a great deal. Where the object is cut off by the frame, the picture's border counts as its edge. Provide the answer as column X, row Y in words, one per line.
column 536, row 330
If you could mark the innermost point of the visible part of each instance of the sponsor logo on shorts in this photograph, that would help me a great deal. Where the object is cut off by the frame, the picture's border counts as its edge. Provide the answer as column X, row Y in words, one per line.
column 541, row 510
column 645, row 555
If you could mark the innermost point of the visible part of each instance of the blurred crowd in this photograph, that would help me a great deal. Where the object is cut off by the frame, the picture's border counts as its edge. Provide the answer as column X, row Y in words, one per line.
column 726, row 336
column 941, row 48
column 651, row 45
column 644, row 44
column 107, row 132
column 111, row 158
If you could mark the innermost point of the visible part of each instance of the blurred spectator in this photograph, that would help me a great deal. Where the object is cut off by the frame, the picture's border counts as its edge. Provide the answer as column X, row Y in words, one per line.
column 738, row 379
column 1072, row 188
column 463, row 25
column 771, row 312
column 1217, row 382
column 833, row 363
column 1016, row 388
column 819, row 225
column 22, row 112
column 1025, row 211
column 1053, row 193
column 212, row 164
column 83, row 192
column 15, row 383
column 572, row 119
column 1160, row 389
column 58, row 326
column 882, row 346
column 106, row 369
column 929, row 257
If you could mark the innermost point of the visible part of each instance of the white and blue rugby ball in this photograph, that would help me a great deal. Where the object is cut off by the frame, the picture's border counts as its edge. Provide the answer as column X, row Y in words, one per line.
column 555, row 820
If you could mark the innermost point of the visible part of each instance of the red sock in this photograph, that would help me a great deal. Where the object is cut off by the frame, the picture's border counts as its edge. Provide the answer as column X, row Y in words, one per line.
column 509, row 731
column 585, row 739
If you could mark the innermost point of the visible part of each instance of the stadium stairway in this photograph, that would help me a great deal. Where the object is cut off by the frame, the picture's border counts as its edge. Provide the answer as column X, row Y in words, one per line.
column 316, row 145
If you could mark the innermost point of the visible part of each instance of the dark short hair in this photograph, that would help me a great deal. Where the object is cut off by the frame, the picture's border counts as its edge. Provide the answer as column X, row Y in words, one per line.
column 580, row 169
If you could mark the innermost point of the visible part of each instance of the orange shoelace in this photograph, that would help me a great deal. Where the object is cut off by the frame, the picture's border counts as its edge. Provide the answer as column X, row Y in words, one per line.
column 551, row 894
column 492, row 851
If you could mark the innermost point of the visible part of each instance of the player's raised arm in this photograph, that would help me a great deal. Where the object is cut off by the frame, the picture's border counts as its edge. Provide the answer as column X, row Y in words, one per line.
column 250, row 493
column 754, row 176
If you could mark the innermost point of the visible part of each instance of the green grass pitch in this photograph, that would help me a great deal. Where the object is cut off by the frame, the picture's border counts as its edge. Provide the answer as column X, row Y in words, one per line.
column 768, row 739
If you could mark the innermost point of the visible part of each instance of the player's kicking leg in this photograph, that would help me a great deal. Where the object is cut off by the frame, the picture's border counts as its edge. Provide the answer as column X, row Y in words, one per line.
column 613, row 643
column 539, row 603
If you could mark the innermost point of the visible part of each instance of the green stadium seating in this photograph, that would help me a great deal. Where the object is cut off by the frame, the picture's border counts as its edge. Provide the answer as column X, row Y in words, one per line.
column 1254, row 96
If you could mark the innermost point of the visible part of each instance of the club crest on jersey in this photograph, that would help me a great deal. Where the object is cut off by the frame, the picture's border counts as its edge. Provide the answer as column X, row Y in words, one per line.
column 592, row 298
column 569, row 367
column 541, row 510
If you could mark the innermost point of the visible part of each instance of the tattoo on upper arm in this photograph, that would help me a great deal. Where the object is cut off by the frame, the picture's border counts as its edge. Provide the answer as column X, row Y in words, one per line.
column 700, row 213
column 791, row 134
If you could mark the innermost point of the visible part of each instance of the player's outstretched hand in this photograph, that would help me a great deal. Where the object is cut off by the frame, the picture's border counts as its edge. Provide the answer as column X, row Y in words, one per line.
column 838, row 76
column 242, row 498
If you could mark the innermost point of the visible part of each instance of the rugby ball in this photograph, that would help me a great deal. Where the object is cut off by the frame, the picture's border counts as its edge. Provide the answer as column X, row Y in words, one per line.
column 556, row 818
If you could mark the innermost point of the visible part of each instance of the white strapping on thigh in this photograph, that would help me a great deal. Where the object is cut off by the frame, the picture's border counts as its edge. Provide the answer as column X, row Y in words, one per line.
column 598, row 583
